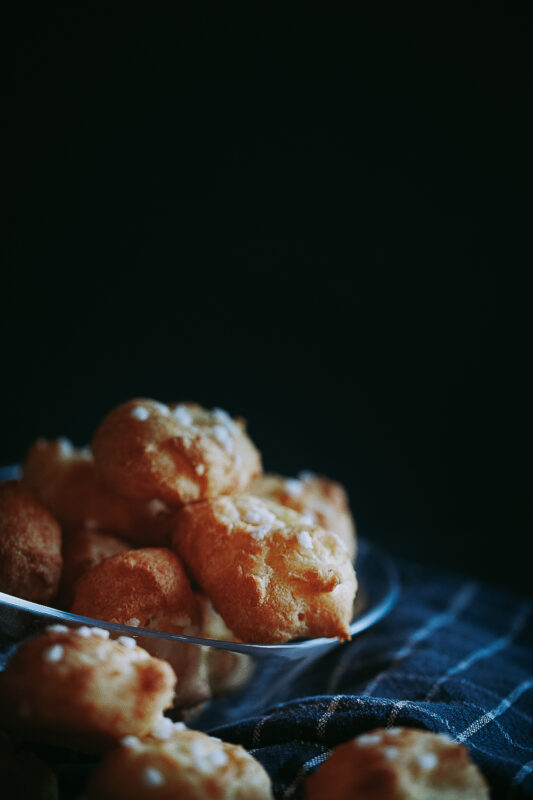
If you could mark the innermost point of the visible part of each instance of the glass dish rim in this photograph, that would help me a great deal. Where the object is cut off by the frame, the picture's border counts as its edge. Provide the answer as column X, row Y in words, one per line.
column 295, row 649
column 384, row 605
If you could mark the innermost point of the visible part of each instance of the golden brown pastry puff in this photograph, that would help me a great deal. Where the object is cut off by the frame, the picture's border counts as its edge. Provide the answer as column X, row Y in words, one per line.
column 148, row 588
column 82, row 551
column 398, row 764
column 270, row 576
column 322, row 502
column 178, row 453
column 189, row 765
column 83, row 690
column 30, row 545
column 139, row 588
column 23, row 776
column 64, row 478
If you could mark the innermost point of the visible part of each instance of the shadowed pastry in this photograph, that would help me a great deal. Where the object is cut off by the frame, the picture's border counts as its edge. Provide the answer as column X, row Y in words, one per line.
column 82, row 551
column 30, row 545
column 65, row 480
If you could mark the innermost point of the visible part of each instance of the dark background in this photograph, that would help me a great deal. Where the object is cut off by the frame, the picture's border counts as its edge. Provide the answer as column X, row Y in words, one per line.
column 314, row 217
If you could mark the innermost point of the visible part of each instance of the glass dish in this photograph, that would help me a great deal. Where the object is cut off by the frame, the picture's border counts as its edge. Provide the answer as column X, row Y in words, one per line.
column 251, row 676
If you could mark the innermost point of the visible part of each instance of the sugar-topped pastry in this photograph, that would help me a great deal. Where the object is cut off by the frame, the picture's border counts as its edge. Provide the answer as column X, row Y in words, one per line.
column 65, row 480
column 320, row 500
column 398, row 764
column 30, row 545
column 175, row 453
column 271, row 576
column 148, row 588
column 79, row 688
column 186, row 764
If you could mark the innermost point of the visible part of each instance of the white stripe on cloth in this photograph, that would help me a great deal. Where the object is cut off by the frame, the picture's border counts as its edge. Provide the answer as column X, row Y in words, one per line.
column 258, row 730
column 355, row 653
column 519, row 778
column 421, row 709
column 407, row 676
column 410, row 704
column 303, row 771
column 463, row 596
column 322, row 722
column 498, row 644
column 501, row 728
column 506, row 703
column 256, row 735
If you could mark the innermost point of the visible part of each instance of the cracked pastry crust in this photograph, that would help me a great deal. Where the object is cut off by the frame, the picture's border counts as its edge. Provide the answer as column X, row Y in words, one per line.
column 30, row 545
column 178, row 453
column 322, row 502
column 271, row 576
column 80, row 689
column 398, row 764
column 65, row 480
column 189, row 765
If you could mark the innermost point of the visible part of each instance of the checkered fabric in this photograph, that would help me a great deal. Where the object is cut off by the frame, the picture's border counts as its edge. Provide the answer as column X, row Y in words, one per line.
column 454, row 656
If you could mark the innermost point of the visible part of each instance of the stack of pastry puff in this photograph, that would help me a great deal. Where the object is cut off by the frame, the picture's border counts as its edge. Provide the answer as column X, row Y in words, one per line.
column 169, row 523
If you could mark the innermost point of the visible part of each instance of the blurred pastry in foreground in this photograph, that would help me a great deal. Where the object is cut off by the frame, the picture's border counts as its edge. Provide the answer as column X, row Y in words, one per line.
column 82, row 551
column 30, row 545
column 320, row 500
column 64, row 478
column 80, row 689
column 23, row 776
column 269, row 575
column 178, row 453
column 189, row 765
column 398, row 764
column 148, row 588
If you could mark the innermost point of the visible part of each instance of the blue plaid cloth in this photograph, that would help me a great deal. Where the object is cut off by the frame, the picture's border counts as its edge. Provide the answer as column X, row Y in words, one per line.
column 454, row 656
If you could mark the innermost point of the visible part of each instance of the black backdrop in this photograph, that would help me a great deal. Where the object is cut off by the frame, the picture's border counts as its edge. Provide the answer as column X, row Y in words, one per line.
column 314, row 217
